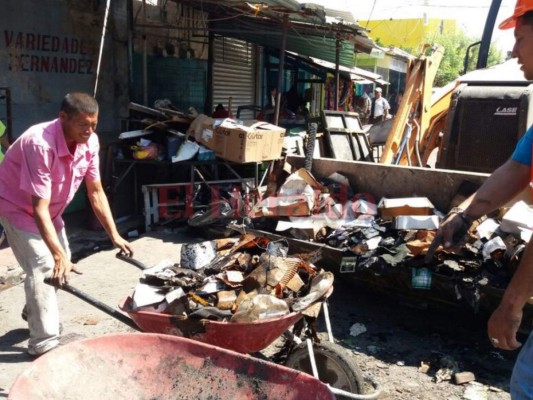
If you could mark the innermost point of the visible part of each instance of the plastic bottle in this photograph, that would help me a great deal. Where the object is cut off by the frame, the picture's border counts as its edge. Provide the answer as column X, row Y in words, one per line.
column 260, row 307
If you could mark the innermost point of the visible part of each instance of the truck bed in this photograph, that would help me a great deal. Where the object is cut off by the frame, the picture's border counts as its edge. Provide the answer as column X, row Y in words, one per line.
column 440, row 186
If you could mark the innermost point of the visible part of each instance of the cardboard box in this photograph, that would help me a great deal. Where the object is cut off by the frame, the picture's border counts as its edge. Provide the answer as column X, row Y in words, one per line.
column 390, row 208
column 519, row 217
column 428, row 222
column 286, row 206
column 198, row 125
column 304, row 226
column 253, row 141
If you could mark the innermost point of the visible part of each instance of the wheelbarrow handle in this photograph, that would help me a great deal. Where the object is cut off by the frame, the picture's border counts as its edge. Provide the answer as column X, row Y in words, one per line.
column 96, row 303
column 122, row 256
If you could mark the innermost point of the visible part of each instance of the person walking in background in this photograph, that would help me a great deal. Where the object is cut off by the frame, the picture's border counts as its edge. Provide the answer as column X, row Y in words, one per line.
column 380, row 107
column 39, row 176
column 363, row 106
column 503, row 185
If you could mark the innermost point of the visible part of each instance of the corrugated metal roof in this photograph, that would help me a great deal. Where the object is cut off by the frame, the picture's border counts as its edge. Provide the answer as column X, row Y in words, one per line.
column 340, row 16
column 270, row 36
column 280, row 5
column 306, row 20
column 399, row 53
column 275, row 9
column 356, row 74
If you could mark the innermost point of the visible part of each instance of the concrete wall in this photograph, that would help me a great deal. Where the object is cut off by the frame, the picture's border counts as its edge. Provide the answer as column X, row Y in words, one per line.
column 50, row 47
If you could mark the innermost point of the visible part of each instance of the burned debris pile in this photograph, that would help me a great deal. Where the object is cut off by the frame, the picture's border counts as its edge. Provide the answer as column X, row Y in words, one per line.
column 378, row 237
column 242, row 279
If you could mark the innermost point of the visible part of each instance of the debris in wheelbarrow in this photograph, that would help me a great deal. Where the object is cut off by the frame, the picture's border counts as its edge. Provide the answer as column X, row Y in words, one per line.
column 150, row 366
column 248, row 279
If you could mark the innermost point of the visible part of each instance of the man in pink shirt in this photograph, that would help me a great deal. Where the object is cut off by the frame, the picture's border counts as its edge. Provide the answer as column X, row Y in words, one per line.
column 39, row 176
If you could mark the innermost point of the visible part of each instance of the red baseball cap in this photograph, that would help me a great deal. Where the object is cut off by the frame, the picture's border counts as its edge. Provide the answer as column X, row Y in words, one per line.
column 522, row 7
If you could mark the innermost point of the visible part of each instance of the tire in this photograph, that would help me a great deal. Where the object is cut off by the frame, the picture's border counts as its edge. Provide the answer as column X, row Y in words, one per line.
column 334, row 366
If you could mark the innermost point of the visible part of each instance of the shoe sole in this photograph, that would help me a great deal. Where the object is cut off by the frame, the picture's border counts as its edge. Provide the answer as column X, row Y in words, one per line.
column 63, row 340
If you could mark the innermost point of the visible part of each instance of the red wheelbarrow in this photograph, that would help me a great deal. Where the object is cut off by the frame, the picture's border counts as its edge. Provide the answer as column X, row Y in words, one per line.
column 326, row 359
column 240, row 337
column 155, row 366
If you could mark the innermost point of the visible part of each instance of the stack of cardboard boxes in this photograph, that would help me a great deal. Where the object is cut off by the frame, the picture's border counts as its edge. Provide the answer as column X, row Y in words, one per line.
column 240, row 141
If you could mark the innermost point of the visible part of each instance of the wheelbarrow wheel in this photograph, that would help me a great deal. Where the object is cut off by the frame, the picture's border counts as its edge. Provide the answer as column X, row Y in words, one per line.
column 334, row 366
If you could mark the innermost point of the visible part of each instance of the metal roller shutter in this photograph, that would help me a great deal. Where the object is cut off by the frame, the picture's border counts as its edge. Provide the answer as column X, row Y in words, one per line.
column 234, row 74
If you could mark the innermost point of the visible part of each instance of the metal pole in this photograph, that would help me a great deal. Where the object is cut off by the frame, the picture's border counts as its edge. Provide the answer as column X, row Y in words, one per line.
column 208, row 106
column 102, row 41
column 98, row 304
column 338, row 43
column 130, row 46
column 281, row 66
column 145, row 60
column 487, row 34
column 467, row 56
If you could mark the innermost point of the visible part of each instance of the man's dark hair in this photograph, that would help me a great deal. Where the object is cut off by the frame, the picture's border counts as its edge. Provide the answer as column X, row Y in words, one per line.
column 79, row 102
column 527, row 18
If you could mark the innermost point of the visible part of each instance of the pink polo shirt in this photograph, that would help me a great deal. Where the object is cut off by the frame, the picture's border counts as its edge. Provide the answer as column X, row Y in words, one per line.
column 39, row 164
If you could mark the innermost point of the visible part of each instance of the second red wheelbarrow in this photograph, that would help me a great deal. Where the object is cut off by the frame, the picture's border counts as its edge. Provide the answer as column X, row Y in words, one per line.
column 147, row 366
column 325, row 360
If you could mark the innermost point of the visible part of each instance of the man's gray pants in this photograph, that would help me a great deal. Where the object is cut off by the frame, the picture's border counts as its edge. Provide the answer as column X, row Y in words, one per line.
column 37, row 262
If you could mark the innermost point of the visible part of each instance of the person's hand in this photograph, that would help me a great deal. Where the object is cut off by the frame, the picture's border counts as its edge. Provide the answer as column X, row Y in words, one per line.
column 503, row 326
column 123, row 245
column 451, row 233
column 62, row 269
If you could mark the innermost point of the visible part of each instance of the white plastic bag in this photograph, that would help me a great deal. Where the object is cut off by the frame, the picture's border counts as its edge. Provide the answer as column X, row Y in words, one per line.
column 197, row 255
column 187, row 151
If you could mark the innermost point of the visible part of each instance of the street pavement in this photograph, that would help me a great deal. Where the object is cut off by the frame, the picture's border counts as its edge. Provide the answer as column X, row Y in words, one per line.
column 105, row 277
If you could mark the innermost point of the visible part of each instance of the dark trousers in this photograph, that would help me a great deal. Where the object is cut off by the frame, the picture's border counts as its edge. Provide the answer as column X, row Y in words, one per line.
column 374, row 120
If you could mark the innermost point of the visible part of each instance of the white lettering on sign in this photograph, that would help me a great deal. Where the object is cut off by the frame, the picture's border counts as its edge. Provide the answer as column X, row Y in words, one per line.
column 506, row 111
